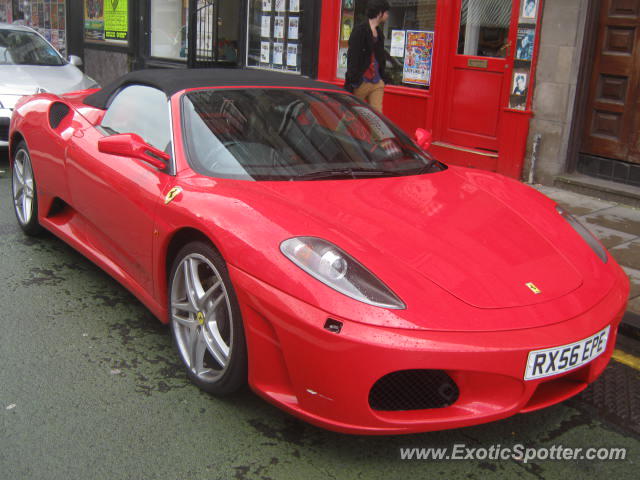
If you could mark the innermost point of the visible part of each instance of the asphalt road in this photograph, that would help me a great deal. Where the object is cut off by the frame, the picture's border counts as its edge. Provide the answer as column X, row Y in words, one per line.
column 91, row 388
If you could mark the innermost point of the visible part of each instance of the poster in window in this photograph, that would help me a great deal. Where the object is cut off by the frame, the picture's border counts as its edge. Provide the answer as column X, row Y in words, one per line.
column 280, row 6
column 54, row 18
column 519, row 84
column 418, row 58
column 294, row 22
column 61, row 16
column 347, row 4
column 294, row 6
column 55, row 40
column 397, row 43
column 343, row 58
column 292, row 55
column 47, row 17
column 265, row 51
column 278, row 27
column 93, row 20
column 529, row 8
column 265, row 31
column 278, row 50
column 524, row 46
column 347, row 26
column 62, row 36
column 116, row 20
column 266, row 5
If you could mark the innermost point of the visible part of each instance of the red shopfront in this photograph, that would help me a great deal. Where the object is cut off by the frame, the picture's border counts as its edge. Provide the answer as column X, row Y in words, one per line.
column 463, row 69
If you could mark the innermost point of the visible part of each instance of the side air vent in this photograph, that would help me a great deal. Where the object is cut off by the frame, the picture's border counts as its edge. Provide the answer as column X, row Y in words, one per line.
column 57, row 112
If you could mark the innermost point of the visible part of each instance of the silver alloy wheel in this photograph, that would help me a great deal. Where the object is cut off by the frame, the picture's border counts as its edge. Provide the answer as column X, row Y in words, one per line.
column 23, row 192
column 201, row 317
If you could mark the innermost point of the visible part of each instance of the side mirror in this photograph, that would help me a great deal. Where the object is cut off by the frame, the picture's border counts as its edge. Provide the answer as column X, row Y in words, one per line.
column 423, row 138
column 75, row 60
column 132, row 145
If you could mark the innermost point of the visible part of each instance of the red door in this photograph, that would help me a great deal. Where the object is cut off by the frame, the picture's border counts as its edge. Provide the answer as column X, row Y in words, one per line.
column 477, row 76
column 116, row 198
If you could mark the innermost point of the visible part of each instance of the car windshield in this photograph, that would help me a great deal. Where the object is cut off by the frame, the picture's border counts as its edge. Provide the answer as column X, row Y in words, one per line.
column 26, row 48
column 294, row 134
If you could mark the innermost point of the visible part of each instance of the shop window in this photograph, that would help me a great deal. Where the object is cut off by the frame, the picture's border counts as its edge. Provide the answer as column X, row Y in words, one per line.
column 47, row 18
column 216, row 31
column 106, row 22
column 275, row 34
column 484, row 28
column 169, row 28
column 409, row 39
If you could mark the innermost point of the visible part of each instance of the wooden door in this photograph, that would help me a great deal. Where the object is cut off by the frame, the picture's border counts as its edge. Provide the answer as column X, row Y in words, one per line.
column 478, row 74
column 612, row 127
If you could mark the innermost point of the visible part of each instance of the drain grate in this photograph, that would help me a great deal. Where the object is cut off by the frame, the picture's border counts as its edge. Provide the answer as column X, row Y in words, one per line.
column 616, row 396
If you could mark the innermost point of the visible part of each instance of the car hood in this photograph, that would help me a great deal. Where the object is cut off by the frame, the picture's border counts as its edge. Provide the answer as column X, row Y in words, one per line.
column 26, row 79
column 451, row 230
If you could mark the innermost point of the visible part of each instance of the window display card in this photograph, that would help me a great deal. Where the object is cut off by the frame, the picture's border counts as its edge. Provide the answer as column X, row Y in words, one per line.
column 342, row 58
column 278, row 49
column 265, row 50
column 280, row 6
column 294, row 6
column 278, row 27
column 524, row 46
column 397, row 43
column 293, row 28
column 529, row 8
column 519, row 83
column 266, row 5
column 292, row 55
column 418, row 57
column 266, row 26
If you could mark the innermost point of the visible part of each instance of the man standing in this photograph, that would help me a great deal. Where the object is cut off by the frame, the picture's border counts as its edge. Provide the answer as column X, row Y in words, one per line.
column 366, row 56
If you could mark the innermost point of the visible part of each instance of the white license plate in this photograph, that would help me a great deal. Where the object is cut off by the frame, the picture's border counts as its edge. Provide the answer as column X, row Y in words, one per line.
column 552, row 361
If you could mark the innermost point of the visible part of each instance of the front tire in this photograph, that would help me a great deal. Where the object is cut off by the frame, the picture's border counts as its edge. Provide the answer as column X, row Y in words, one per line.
column 23, row 187
column 205, row 319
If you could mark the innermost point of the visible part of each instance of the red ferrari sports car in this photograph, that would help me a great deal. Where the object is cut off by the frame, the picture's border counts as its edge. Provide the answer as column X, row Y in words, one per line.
column 296, row 240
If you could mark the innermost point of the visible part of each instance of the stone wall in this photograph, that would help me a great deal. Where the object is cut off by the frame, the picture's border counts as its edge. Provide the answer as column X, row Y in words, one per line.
column 105, row 66
column 561, row 43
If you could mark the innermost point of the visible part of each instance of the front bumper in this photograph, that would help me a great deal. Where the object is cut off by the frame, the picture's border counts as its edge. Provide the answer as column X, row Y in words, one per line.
column 326, row 378
column 5, row 121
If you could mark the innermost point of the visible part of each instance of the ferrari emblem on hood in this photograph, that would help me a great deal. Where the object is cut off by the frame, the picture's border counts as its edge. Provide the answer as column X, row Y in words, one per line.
column 173, row 193
column 533, row 288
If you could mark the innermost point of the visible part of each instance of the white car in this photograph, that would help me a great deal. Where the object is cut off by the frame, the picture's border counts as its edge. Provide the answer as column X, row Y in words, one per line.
column 29, row 64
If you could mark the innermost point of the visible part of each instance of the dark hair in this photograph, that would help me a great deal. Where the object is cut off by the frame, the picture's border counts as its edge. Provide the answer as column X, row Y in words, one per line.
column 376, row 7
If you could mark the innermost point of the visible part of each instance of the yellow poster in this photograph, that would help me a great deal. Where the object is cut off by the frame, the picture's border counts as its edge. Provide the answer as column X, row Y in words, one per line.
column 116, row 19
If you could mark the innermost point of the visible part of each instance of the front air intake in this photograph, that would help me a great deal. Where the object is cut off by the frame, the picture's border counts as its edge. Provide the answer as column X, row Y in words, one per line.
column 413, row 390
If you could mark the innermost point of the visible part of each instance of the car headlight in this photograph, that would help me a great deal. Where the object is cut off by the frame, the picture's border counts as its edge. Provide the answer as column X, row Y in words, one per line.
column 338, row 270
column 584, row 233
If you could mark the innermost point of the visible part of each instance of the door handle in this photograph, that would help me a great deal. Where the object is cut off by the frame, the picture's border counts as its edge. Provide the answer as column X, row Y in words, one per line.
column 507, row 49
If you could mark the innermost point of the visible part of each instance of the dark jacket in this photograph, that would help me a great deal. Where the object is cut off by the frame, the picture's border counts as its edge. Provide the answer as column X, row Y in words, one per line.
column 359, row 55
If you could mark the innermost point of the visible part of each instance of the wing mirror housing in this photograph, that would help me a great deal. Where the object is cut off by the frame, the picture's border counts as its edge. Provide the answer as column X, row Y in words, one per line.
column 132, row 145
column 423, row 138
column 75, row 60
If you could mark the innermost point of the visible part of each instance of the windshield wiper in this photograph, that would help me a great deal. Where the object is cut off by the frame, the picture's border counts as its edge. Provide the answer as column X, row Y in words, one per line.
column 346, row 173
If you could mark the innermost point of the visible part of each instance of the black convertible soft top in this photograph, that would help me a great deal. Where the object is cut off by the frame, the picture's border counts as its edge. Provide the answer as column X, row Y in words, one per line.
column 171, row 81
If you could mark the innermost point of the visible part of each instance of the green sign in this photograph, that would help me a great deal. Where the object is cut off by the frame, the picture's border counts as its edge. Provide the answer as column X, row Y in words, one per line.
column 116, row 19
